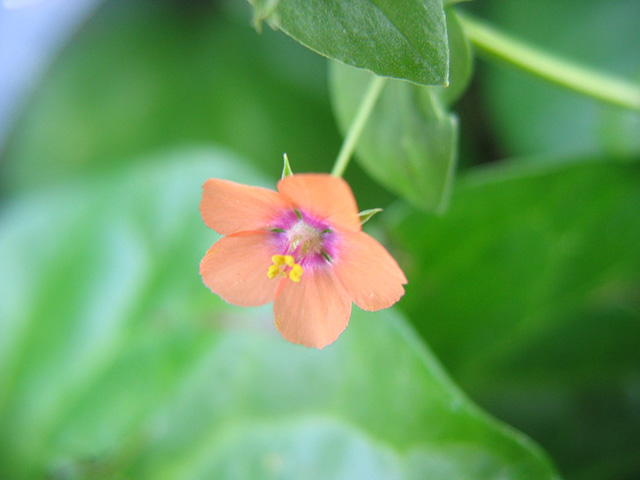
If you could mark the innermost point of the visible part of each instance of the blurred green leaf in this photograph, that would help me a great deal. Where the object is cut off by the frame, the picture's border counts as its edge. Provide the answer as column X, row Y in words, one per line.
column 373, row 405
column 408, row 143
column 102, row 306
column 531, row 116
column 140, row 76
column 528, row 292
column 116, row 362
column 389, row 38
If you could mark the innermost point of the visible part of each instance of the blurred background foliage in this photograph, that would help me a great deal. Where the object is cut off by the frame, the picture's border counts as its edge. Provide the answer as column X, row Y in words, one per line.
column 115, row 361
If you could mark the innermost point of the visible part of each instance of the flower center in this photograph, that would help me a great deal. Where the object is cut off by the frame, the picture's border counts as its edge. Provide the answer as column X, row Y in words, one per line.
column 302, row 244
column 304, row 240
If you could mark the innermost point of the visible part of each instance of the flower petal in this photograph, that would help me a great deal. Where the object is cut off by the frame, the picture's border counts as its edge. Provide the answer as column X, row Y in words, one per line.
column 323, row 195
column 313, row 312
column 228, row 207
column 371, row 276
column 236, row 266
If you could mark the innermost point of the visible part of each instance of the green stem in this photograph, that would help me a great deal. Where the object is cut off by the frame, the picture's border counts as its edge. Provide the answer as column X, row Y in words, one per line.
column 364, row 111
column 545, row 65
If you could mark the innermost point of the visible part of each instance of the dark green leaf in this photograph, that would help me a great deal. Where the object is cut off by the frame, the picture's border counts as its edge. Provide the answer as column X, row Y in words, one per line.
column 409, row 142
column 405, row 39
column 528, row 290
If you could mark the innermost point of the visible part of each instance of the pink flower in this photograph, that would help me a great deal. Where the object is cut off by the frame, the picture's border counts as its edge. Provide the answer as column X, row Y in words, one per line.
column 301, row 247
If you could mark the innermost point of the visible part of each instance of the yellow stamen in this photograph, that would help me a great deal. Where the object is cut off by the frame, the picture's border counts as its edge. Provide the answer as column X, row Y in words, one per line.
column 274, row 270
column 296, row 273
column 278, row 260
column 280, row 264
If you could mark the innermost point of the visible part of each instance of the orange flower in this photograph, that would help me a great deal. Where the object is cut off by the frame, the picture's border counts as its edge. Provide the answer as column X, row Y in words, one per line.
column 302, row 247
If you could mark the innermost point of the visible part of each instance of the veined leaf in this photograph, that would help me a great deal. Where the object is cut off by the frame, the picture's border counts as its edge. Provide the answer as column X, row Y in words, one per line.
column 405, row 39
column 409, row 143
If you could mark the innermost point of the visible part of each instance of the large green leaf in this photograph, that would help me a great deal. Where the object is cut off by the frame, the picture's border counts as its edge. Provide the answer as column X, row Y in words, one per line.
column 100, row 299
column 405, row 39
column 116, row 362
column 408, row 143
column 528, row 291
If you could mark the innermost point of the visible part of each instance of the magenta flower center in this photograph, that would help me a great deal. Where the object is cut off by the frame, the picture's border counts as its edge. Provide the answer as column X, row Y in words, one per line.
column 301, row 243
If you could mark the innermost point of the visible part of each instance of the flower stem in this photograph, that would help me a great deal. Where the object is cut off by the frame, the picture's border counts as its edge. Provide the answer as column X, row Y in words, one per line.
column 578, row 78
column 364, row 111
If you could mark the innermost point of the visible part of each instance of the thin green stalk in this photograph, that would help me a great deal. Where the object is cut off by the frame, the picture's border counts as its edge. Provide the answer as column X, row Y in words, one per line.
column 557, row 70
column 366, row 107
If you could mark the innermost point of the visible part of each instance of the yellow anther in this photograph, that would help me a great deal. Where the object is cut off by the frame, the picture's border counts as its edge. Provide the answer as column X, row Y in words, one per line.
column 274, row 270
column 279, row 267
column 278, row 260
column 296, row 273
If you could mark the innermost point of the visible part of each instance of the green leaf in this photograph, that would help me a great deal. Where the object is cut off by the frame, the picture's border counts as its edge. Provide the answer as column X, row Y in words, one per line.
column 123, row 88
column 102, row 307
column 286, row 167
column 408, row 143
column 373, row 405
column 366, row 215
column 389, row 38
column 118, row 363
column 528, row 291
